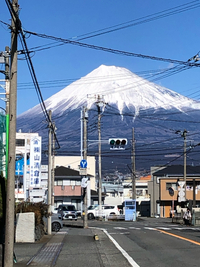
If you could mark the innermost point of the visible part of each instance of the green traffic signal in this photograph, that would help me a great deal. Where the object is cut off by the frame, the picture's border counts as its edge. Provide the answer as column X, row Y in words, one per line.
column 112, row 142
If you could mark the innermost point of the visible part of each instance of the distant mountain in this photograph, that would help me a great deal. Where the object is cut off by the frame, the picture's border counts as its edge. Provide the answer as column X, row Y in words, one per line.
column 130, row 101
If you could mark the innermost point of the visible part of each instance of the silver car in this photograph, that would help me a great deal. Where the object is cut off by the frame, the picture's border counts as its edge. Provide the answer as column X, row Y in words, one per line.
column 67, row 211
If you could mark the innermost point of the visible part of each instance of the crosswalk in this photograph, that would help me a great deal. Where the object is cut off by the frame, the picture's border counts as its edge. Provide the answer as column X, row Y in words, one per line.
column 125, row 230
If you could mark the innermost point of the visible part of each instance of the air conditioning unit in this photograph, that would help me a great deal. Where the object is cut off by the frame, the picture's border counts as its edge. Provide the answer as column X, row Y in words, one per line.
column 73, row 187
column 62, row 187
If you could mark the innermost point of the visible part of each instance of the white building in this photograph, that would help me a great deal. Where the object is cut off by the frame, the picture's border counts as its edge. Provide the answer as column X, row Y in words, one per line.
column 28, row 164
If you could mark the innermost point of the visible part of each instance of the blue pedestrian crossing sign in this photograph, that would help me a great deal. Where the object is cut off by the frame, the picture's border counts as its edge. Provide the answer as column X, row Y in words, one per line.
column 83, row 163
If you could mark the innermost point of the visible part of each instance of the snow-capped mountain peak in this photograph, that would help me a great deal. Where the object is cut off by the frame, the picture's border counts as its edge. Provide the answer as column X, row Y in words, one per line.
column 117, row 86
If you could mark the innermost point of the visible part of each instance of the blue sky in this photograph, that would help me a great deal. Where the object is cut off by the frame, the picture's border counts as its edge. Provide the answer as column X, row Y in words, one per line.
column 173, row 37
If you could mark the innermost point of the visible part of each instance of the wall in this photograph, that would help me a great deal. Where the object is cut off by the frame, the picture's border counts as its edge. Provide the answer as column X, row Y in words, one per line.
column 67, row 190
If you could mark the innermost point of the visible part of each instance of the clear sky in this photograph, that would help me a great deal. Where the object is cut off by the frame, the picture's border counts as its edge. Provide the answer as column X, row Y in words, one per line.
column 172, row 37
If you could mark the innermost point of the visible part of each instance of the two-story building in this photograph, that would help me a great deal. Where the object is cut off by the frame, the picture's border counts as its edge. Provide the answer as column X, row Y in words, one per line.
column 164, row 188
column 67, row 188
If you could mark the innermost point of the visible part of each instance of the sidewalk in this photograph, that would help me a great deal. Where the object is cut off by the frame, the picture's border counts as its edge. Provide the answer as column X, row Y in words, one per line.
column 71, row 247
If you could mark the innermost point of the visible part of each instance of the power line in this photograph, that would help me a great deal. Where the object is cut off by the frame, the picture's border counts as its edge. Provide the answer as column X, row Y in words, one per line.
column 114, row 51
column 168, row 12
column 30, row 65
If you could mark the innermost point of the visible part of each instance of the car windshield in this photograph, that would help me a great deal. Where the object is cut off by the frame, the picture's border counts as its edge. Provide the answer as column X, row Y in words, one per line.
column 92, row 207
column 72, row 208
column 66, row 208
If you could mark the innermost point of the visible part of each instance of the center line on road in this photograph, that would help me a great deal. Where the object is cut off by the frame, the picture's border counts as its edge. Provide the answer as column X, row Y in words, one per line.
column 180, row 237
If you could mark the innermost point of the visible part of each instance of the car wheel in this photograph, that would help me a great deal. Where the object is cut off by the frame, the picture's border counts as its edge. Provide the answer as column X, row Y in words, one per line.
column 56, row 227
column 75, row 219
column 90, row 216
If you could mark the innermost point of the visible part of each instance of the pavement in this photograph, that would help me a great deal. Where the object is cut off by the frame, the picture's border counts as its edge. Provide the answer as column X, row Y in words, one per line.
column 75, row 246
column 72, row 246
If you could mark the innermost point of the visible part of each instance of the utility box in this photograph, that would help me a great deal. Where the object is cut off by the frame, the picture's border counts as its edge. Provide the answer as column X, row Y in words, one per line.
column 130, row 210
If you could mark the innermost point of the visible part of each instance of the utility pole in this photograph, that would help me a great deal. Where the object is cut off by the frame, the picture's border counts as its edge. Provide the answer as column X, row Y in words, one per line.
column 49, row 175
column 10, row 195
column 7, row 76
column 85, row 120
column 184, row 136
column 99, row 104
column 53, row 163
column 133, row 166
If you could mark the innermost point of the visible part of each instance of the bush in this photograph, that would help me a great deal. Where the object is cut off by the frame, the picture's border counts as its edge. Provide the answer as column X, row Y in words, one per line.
column 40, row 209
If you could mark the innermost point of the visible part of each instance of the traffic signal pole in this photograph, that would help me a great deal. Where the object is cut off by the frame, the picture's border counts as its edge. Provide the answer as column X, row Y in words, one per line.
column 10, row 194
column 85, row 220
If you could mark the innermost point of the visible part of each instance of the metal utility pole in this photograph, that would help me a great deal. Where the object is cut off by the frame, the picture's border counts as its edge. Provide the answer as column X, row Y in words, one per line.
column 85, row 120
column 184, row 136
column 10, row 196
column 49, row 175
column 133, row 166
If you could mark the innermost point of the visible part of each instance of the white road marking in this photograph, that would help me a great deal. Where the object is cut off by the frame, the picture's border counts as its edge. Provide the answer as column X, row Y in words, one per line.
column 124, row 253
column 134, row 228
column 164, row 228
column 150, row 228
column 120, row 228
column 125, row 233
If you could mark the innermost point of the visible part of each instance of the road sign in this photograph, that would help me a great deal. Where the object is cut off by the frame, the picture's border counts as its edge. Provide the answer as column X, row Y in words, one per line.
column 84, row 182
column 83, row 171
column 181, row 183
column 83, row 163
column 181, row 194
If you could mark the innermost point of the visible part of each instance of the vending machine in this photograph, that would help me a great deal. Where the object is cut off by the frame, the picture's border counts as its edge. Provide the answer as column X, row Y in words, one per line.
column 130, row 210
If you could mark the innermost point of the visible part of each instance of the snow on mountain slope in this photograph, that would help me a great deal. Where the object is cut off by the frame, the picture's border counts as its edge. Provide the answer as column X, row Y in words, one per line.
column 118, row 86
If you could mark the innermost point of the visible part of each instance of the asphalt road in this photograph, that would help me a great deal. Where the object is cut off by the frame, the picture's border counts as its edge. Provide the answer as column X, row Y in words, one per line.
column 155, row 242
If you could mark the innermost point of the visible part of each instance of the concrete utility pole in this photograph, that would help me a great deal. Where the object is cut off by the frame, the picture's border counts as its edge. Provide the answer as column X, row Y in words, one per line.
column 133, row 166
column 10, row 197
column 99, row 104
column 85, row 120
column 7, row 76
column 49, row 175
column 184, row 136
column 53, row 170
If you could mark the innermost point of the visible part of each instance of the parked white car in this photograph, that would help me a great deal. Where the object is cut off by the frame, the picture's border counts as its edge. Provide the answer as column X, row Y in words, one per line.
column 94, row 212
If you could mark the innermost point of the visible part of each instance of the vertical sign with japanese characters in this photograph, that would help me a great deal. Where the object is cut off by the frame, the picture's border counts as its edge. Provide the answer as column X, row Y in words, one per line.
column 35, row 161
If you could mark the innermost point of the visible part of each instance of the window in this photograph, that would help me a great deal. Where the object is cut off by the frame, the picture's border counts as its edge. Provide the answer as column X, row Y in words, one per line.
column 72, row 182
column 20, row 142
column 172, row 185
column 60, row 182
column 66, row 182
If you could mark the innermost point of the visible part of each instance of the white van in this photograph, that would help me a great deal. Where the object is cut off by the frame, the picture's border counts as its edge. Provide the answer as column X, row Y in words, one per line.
column 94, row 212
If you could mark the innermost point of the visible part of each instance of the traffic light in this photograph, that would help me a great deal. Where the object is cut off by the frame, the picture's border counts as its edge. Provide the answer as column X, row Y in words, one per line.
column 117, row 143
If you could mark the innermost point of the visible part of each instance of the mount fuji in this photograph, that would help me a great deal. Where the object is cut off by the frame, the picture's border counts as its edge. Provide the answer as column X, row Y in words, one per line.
column 155, row 112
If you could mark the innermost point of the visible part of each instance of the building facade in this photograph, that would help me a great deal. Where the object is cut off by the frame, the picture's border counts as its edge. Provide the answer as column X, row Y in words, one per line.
column 164, row 189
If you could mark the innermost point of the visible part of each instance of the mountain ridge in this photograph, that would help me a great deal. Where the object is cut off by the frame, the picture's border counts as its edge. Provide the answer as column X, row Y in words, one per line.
column 155, row 121
column 117, row 86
